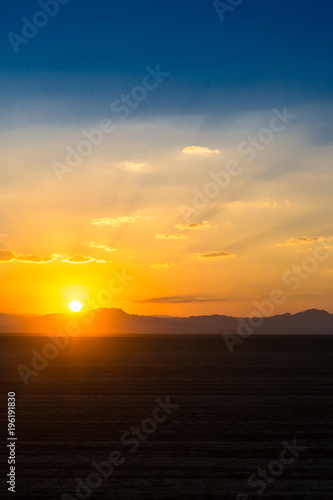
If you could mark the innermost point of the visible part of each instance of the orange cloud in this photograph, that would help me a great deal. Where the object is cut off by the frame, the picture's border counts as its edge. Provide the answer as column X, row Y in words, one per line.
column 7, row 256
column 104, row 247
column 303, row 239
column 200, row 150
column 170, row 236
column 35, row 259
column 215, row 255
column 10, row 256
column 163, row 266
column 194, row 225
column 134, row 167
column 118, row 221
column 78, row 259
column 180, row 299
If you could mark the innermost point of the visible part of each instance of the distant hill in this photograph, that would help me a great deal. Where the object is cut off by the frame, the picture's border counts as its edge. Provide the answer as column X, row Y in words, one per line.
column 116, row 321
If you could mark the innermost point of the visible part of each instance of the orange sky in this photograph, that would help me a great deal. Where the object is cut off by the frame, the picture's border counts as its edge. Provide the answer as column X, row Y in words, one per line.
column 114, row 232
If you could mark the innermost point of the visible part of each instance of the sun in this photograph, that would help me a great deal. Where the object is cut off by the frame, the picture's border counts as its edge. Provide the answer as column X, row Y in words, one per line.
column 75, row 306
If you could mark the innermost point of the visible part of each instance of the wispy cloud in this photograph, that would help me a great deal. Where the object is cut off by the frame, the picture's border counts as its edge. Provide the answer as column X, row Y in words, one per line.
column 134, row 167
column 266, row 203
column 170, row 236
column 180, row 299
column 118, row 221
column 303, row 239
column 35, row 259
column 10, row 256
column 78, row 259
column 163, row 266
column 201, row 151
column 215, row 255
column 7, row 256
column 194, row 225
column 103, row 247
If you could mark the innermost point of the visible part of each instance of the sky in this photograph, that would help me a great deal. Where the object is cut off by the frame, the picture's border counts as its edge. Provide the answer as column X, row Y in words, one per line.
column 166, row 157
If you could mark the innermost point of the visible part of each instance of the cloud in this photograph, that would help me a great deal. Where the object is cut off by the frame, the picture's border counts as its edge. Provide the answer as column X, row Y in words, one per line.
column 104, row 247
column 118, row 221
column 170, row 236
column 194, row 225
column 179, row 299
column 78, row 259
column 201, row 151
column 215, row 255
column 10, row 256
column 133, row 167
column 7, row 256
column 111, row 221
column 267, row 204
column 303, row 239
column 35, row 259
column 163, row 266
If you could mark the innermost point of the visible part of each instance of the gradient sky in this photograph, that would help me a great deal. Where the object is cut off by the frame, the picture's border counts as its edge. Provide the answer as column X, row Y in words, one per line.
column 128, row 206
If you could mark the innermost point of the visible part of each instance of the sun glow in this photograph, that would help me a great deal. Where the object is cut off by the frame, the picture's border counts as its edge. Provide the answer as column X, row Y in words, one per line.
column 75, row 306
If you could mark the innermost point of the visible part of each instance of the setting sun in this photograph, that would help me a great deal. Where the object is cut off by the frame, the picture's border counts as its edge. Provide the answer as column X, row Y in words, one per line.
column 75, row 306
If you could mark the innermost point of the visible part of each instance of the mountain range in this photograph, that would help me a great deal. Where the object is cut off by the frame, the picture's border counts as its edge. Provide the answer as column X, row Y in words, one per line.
column 115, row 321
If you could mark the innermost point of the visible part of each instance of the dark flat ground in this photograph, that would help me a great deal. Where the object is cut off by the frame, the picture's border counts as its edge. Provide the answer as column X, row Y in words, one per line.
column 234, row 412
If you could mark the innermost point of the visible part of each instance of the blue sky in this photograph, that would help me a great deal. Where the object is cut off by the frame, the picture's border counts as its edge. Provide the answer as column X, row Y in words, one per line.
column 263, row 51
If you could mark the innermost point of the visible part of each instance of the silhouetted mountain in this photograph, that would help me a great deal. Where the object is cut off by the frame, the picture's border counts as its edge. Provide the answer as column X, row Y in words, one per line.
column 116, row 321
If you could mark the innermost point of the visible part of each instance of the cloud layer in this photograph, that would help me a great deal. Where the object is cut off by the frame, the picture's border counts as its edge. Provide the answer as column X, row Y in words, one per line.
column 179, row 299
column 303, row 239
column 103, row 247
column 162, row 266
column 10, row 256
column 118, row 221
column 200, row 151
column 194, row 225
column 215, row 255
column 170, row 236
